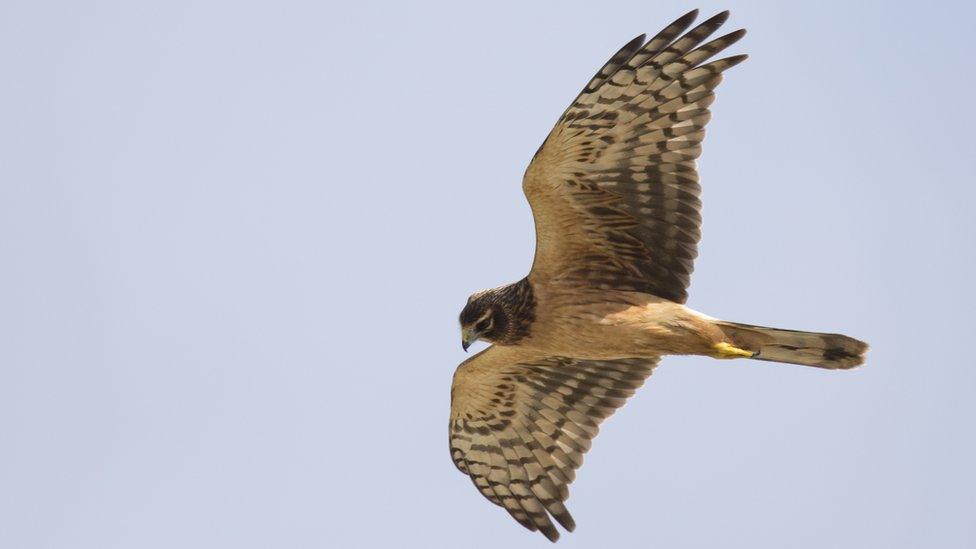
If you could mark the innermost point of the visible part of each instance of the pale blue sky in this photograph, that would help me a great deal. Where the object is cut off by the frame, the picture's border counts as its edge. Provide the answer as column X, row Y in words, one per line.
column 235, row 237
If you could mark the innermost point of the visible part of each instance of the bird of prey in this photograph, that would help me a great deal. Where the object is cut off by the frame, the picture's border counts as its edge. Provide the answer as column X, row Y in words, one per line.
column 615, row 196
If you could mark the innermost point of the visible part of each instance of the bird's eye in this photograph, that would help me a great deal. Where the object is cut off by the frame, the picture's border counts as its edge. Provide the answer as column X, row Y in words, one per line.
column 483, row 325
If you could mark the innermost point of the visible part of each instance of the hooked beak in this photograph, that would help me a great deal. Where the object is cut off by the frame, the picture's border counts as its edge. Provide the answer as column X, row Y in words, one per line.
column 468, row 336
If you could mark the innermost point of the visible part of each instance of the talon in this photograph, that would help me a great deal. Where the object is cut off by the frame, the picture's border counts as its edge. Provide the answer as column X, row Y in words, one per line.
column 726, row 350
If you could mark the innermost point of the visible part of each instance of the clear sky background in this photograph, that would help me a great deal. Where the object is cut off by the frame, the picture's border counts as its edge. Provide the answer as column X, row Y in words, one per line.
column 235, row 238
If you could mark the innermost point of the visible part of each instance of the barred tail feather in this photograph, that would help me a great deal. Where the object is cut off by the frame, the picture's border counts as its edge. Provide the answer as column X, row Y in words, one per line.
column 831, row 351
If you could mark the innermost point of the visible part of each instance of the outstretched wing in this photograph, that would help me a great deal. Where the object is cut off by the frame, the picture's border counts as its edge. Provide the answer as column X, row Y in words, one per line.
column 614, row 189
column 521, row 424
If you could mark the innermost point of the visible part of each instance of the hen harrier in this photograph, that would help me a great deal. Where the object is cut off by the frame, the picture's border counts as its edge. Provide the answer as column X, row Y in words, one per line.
column 615, row 196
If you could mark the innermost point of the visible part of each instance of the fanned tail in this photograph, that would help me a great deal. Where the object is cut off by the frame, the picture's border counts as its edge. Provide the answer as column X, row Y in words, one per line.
column 831, row 351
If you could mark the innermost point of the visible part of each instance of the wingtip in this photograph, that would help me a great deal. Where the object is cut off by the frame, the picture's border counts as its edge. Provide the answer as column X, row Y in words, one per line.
column 551, row 533
column 718, row 19
column 565, row 519
column 736, row 59
column 687, row 18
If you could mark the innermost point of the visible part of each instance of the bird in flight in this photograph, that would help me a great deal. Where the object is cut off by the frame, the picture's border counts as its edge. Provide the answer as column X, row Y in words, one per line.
column 615, row 196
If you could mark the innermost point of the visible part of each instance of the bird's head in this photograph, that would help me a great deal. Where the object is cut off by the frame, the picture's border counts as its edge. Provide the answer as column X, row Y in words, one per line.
column 482, row 318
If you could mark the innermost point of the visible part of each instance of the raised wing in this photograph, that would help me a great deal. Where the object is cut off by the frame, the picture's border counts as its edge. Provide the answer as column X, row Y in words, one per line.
column 614, row 188
column 521, row 424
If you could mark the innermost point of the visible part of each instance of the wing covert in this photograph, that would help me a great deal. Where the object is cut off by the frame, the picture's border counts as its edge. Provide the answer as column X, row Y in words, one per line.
column 614, row 188
column 520, row 425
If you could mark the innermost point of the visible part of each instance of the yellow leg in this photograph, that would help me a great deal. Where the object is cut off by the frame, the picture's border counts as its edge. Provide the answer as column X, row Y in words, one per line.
column 726, row 350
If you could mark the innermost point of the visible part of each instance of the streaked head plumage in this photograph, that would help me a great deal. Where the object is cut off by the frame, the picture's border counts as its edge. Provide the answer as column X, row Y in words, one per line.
column 483, row 317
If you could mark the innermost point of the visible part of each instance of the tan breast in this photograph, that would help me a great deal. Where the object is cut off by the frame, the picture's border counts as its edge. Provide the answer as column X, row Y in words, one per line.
column 603, row 324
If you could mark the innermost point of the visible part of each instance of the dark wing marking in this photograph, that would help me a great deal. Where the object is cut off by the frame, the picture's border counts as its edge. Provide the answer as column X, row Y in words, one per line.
column 519, row 429
column 614, row 188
